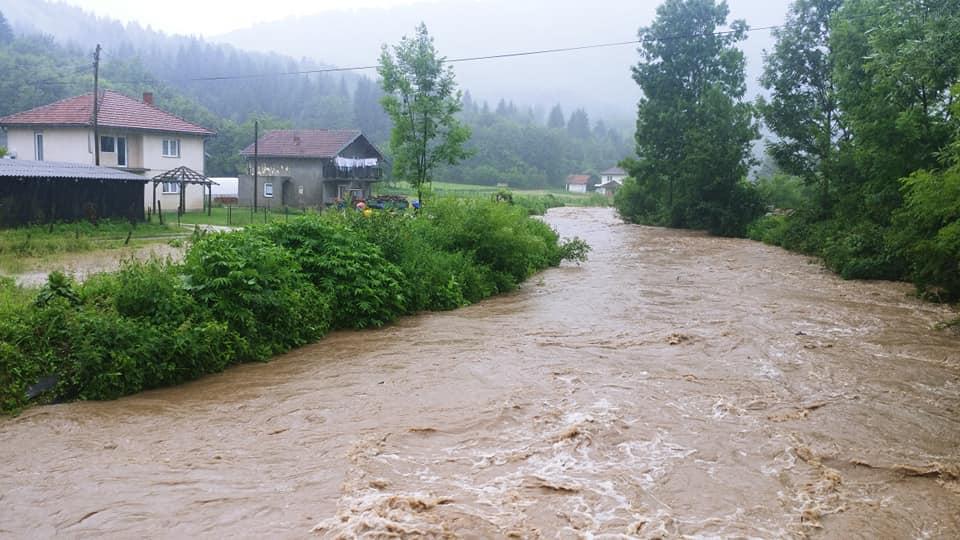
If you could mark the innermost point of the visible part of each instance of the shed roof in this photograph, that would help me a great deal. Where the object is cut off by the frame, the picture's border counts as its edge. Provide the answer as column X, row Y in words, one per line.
column 578, row 179
column 17, row 168
column 304, row 143
column 116, row 111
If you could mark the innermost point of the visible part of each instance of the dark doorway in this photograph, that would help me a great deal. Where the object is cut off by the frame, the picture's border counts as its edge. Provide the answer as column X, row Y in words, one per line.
column 287, row 196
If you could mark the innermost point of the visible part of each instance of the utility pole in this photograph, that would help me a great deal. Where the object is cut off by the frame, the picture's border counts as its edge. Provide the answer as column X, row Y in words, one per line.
column 96, row 105
column 256, row 157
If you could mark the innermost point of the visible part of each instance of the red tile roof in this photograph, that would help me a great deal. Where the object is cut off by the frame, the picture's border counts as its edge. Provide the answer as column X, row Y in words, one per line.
column 303, row 143
column 578, row 179
column 116, row 111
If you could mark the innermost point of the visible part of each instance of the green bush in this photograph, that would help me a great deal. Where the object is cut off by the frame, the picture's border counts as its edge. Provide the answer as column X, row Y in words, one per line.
column 365, row 287
column 769, row 229
column 498, row 236
column 259, row 290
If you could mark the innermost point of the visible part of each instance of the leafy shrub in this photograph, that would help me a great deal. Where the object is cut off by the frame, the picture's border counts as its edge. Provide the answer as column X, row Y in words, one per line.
column 926, row 231
column 860, row 252
column 365, row 286
column 259, row 290
column 769, row 229
column 498, row 236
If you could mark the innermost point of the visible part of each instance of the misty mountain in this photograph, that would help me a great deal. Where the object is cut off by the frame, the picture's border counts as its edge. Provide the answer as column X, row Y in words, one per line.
column 597, row 79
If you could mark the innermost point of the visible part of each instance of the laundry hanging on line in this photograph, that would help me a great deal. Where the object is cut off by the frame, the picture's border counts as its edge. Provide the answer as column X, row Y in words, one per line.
column 352, row 163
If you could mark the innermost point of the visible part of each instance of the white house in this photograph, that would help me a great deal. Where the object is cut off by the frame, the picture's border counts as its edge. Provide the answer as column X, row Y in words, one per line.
column 578, row 183
column 611, row 180
column 134, row 135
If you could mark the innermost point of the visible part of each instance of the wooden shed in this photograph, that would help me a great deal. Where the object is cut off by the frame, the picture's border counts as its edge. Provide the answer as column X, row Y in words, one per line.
column 45, row 191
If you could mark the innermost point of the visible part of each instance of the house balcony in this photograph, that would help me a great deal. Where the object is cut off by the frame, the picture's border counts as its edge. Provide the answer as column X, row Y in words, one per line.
column 332, row 172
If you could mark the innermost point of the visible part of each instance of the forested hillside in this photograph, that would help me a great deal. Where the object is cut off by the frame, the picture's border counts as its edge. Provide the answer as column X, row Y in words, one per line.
column 225, row 88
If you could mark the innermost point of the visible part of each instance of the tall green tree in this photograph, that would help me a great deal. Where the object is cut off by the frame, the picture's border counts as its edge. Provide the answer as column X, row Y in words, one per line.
column 803, row 110
column 422, row 100
column 556, row 119
column 579, row 124
column 693, row 128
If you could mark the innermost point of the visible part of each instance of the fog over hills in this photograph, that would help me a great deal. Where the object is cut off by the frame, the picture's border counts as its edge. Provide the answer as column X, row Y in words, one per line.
column 598, row 79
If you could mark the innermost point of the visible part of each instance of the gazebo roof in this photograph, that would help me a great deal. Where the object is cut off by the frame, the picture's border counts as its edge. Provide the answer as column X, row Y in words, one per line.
column 184, row 175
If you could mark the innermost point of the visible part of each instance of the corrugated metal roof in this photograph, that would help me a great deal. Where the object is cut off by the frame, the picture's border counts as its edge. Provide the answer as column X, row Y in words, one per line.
column 17, row 168
column 116, row 110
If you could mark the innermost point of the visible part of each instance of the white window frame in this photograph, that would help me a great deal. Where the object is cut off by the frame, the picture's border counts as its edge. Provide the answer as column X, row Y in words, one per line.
column 170, row 148
column 268, row 190
column 170, row 188
column 38, row 145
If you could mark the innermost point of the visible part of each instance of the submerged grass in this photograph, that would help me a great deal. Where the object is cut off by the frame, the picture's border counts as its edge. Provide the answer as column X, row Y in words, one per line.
column 39, row 242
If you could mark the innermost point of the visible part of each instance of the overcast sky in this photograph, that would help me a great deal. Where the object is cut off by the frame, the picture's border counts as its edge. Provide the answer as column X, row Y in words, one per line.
column 350, row 33
column 213, row 17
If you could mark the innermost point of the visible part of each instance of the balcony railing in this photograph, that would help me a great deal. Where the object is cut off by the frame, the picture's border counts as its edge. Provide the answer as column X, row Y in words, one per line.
column 366, row 173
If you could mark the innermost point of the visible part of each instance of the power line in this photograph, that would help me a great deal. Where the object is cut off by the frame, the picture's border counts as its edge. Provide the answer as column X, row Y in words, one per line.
column 536, row 52
column 478, row 58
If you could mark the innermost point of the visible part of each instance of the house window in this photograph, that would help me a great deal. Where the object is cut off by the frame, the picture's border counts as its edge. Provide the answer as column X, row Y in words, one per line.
column 107, row 144
column 38, row 137
column 171, row 187
column 171, row 148
column 268, row 190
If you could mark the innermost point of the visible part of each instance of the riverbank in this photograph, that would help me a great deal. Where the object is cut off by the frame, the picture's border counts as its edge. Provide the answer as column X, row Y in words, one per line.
column 249, row 295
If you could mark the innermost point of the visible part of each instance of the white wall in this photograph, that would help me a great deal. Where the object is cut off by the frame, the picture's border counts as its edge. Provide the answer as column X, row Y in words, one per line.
column 191, row 155
column 75, row 145
column 577, row 188
column 59, row 144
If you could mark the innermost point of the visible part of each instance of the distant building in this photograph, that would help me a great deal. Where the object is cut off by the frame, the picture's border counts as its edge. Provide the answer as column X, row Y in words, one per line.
column 611, row 180
column 578, row 183
column 304, row 168
column 135, row 136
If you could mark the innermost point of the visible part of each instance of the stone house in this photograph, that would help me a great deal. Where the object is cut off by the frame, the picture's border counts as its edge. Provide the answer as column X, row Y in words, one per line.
column 309, row 168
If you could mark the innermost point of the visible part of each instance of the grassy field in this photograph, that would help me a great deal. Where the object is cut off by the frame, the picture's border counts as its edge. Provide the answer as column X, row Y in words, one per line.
column 448, row 189
column 23, row 248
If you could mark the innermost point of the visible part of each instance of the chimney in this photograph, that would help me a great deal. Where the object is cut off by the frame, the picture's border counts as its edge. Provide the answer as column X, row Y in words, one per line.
column 148, row 98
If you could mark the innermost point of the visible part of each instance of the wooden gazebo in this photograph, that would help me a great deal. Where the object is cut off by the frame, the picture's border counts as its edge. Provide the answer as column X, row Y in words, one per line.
column 184, row 176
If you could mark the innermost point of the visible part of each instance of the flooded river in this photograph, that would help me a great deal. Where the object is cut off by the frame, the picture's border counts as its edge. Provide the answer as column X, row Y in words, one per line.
column 675, row 385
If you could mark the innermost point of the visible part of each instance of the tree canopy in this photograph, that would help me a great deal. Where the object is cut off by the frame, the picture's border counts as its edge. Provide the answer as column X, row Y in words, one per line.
column 422, row 99
column 693, row 129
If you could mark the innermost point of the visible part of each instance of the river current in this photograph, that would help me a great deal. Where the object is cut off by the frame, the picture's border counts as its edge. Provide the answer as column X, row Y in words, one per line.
column 675, row 385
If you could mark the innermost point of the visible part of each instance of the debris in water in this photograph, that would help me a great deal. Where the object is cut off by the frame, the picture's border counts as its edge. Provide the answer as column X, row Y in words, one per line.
column 677, row 339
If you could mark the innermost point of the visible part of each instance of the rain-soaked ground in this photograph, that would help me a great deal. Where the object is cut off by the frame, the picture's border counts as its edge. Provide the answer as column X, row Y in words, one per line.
column 84, row 264
column 675, row 385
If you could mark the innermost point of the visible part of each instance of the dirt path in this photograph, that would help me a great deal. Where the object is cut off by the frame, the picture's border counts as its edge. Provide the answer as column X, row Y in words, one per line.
column 675, row 385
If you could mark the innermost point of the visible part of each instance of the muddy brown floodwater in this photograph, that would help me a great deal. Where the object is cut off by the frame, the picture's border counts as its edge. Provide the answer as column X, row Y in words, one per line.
column 675, row 385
